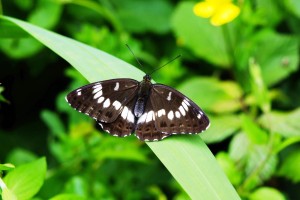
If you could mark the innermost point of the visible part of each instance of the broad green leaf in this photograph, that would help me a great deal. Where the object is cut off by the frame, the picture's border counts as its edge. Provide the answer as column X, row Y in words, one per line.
column 202, row 177
column 221, row 127
column 264, row 193
column 220, row 96
column 196, row 33
column 26, row 180
column 290, row 167
column 285, row 123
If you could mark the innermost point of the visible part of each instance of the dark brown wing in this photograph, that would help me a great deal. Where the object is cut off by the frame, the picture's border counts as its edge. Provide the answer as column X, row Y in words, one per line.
column 124, row 125
column 103, row 100
column 175, row 113
column 145, row 127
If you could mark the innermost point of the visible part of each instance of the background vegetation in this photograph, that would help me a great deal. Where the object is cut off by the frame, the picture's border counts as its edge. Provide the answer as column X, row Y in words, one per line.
column 243, row 74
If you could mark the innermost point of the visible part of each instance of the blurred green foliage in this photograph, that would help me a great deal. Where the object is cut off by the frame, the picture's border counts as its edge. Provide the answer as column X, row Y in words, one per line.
column 244, row 74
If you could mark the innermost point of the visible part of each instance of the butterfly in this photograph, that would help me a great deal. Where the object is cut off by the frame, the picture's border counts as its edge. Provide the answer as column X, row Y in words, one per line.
column 153, row 111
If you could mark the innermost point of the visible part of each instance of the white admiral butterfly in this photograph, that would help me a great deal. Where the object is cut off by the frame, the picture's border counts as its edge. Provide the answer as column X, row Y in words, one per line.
column 152, row 111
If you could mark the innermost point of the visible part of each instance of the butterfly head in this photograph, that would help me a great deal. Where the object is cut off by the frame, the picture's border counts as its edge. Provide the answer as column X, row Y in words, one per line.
column 147, row 78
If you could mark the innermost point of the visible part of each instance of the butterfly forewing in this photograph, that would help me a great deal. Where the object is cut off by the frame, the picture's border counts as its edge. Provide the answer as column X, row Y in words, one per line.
column 104, row 100
column 175, row 113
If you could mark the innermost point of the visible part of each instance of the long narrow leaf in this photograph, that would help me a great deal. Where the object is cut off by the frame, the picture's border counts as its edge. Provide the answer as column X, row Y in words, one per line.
column 186, row 157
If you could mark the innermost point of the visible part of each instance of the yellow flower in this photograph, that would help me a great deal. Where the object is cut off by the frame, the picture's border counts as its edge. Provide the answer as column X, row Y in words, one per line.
column 220, row 11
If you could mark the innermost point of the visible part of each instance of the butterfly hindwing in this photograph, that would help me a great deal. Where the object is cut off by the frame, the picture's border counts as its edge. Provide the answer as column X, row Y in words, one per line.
column 124, row 125
column 103, row 100
column 175, row 113
column 145, row 128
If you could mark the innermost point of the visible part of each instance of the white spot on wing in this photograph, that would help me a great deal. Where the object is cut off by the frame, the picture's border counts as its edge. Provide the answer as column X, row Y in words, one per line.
column 97, row 85
column 125, row 112
column 184, row 105
column 98, row 94
column 150, row 116
column 177, row 114
column 97, row 90
column 171, row 115
column 199, row 116
column 100, row 100
column 161, row 112
column 142, row 118
column 169, row 96
column 130, row 117
column 78, row 93
column 182, row 111
column 186, row 102
column 117, row 86
column 106, row 103
column 117, row 105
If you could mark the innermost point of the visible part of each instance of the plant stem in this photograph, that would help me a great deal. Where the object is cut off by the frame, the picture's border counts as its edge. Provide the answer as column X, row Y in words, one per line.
column 228, row 44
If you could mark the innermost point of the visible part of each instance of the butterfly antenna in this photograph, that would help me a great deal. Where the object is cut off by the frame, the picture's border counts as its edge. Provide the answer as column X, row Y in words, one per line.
column 134, row 55
column 165, row 64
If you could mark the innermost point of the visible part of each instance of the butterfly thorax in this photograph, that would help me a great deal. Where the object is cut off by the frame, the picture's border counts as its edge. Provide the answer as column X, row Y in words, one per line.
column 143, row 95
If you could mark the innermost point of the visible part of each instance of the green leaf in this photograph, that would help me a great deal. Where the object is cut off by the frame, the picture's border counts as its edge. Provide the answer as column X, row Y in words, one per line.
column 292, row 6
column 7, row 194
column 285, row 123
column 6, row 166
column 20, row 156
column 221, row 127
column 68, row 197
column 258, row 87
column 46, row 13
column 54, row 123
column 228, row 165
column 290, row 167
column 137, row 16
column 279, row 58
column 253, row 131
column 220, row 96
column 261, row 165
column 202, row 177
column 26, row 180
column 239, row 147
column 196, row 33
column 264, row 193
